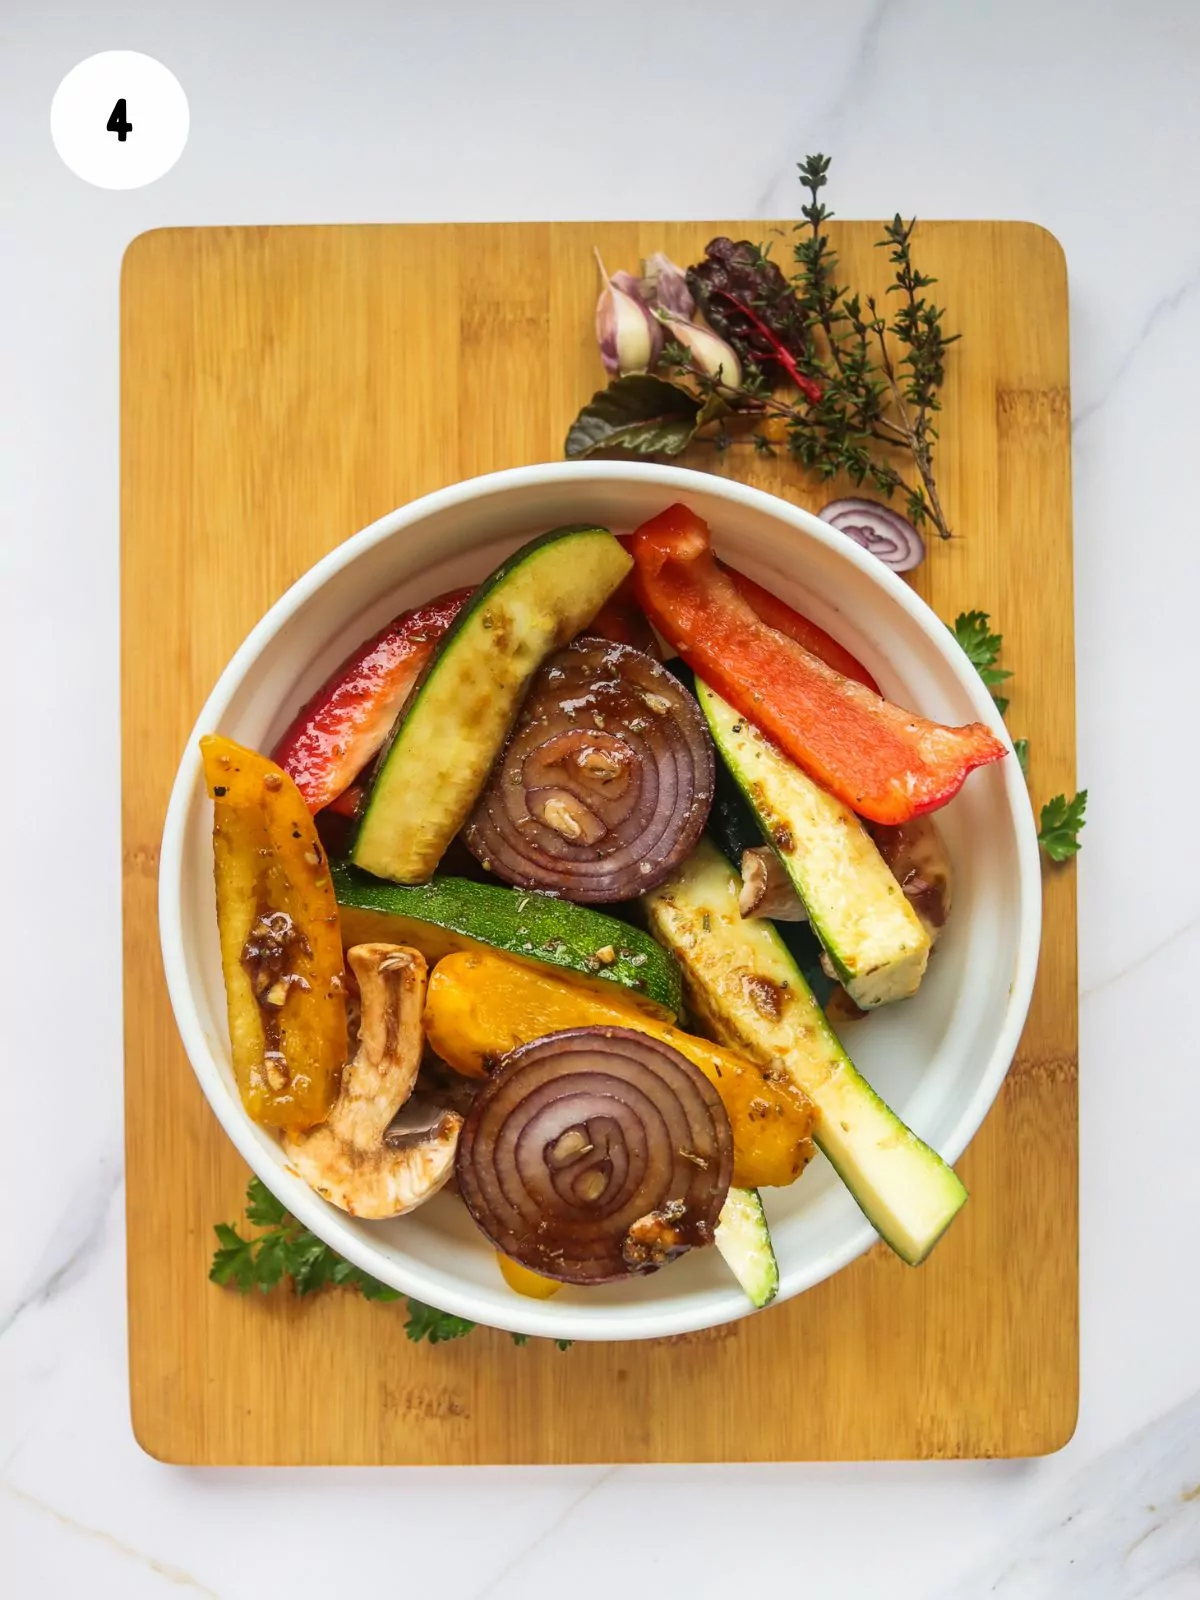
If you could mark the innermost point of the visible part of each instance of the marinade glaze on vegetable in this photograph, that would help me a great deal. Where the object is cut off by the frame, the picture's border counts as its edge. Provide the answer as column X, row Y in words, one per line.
column 886, row 763
column 871, row 934
column 751, row 995
column 458, row 718
column 281, row 953
column 482, row 1006
column 594, row 1153
column 346, row 723
column 455, row 914
column 606, row 782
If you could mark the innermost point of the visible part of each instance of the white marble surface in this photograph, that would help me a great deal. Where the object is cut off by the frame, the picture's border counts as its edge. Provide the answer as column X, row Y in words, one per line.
column 1082, row 116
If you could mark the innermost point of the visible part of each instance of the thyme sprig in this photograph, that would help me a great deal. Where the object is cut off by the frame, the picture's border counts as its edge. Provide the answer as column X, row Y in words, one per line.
column 845, row 383
column 869, row 396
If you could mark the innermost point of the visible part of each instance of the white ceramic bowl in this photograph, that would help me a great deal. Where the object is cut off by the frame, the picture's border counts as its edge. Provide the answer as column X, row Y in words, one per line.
column 939, row 1059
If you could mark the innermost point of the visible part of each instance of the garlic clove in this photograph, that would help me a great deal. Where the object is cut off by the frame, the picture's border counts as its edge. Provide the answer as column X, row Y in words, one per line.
column 627, row 331
column 665, row 285
column 707, row 350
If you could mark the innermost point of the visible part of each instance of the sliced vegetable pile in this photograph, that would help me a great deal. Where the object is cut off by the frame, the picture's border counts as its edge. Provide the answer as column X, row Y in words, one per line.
column 553, row 843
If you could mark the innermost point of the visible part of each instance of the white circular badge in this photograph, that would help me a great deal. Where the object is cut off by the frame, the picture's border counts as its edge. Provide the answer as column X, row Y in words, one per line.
column 119, row 119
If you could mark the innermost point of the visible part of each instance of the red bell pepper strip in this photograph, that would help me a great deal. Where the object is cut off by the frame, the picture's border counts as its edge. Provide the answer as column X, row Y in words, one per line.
column 346, row 722
column 350, row 802
column 779, row 615
column 888, row 764
column 774, row 612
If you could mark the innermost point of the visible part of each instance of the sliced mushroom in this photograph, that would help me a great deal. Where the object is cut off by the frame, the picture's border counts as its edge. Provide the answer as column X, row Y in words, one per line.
column 839, row 1008
column 350, row 1159
column 441, row 1085
column 915, row 853
column 766, row 888
column 919, row 861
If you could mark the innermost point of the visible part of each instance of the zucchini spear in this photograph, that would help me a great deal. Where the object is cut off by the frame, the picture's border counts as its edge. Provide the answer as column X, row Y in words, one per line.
column 741, row 979
column 743, row 1238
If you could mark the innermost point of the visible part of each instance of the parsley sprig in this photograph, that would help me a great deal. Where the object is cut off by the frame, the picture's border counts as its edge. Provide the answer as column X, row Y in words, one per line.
column 1061, row 822
column 1061, row 819
column 284, row 1248
column 982, row 647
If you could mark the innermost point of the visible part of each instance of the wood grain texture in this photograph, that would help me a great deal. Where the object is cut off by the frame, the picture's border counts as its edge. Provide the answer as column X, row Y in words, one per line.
column 280, row 389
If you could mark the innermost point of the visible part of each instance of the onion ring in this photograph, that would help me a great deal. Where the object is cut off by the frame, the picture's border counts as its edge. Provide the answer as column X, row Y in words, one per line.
column 595, row 1153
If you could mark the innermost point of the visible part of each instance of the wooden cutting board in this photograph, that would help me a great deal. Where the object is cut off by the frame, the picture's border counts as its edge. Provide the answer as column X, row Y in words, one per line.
column 281, row 388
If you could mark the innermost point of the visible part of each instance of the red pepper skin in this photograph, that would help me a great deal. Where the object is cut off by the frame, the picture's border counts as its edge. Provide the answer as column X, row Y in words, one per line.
column 346, row 722
column 888, row 764
column 350, row 802
column 779, row 615
column 623, row 620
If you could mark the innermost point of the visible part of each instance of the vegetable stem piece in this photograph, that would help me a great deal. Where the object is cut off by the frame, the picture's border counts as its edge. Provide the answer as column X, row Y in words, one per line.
column 350, row 1159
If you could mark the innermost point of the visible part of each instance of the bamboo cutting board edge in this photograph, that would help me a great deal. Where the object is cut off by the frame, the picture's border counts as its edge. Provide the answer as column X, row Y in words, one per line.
column 266, row 381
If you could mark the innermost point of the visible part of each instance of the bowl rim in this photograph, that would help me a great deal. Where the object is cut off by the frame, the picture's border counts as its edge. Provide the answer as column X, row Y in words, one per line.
column 544, row 1318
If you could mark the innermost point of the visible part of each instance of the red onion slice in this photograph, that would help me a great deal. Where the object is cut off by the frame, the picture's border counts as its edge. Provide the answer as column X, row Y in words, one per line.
column 595, row 1153
column 879, row 529
column 606, row 782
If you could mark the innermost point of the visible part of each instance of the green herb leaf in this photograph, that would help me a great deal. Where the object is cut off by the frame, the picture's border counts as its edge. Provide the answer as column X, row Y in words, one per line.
column 1061, row 822
column 310, row 1263
column 1062, row 819
column 370, row 1288
column 233, row 1262
column 438, row 1327
column 262, row 1208
column 285, row 1249
column 648, row 415
column 981, row 646
column 270, row 1260
column 851, row 388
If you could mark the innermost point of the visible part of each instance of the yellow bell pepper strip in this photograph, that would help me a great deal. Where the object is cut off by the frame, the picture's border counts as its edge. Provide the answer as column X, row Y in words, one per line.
column 281, row 948
column 521, row 1280
column 481, row 1005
